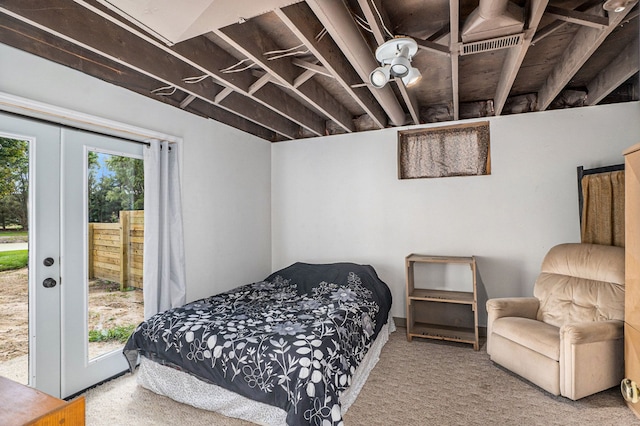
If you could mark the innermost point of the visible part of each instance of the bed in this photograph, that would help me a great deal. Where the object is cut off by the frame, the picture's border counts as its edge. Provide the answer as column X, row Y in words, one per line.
column 295, row 348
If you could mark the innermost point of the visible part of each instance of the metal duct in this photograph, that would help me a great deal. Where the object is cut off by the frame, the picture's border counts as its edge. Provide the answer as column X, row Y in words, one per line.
column 493, row 18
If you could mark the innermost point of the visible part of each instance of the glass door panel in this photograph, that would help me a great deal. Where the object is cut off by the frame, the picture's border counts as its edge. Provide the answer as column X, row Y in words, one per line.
column 115, row 236
column 14, row 256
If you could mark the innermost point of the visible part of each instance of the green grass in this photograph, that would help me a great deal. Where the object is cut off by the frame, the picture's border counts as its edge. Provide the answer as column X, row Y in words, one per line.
column 119, row 333
column 12, row 233
column 14, row 259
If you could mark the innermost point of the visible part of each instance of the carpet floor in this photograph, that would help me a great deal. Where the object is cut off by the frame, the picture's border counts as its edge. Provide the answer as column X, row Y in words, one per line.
column 424, row 382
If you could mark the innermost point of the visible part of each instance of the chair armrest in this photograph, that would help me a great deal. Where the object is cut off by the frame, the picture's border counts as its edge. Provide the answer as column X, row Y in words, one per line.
column 591, row 357
column 526, row 307
column 589, row 332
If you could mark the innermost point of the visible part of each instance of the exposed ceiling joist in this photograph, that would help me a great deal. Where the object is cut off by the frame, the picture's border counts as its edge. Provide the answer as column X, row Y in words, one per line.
column 249, row 40
column 106, row 39
column 20, row 35
column 378, row 28
column 516, row 55
column 584, row 43
column 320, row 86
column 454, row 48
column 317, row 69
column 622, row 68
column 336, row 18
column 433, row 47
column 211, row 59
column 577, row 17
column 299, row 20
column 547, row 31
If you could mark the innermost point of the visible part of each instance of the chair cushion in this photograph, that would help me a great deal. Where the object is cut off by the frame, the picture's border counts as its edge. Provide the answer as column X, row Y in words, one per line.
column 581, row 282
column 535, row 335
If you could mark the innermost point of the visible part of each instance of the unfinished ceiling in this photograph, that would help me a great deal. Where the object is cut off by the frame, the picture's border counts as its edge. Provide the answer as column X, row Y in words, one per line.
column 282, row 69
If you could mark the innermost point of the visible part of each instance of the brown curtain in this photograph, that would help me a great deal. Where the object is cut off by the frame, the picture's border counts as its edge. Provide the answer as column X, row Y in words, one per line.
column 603, row 208
column 462, row 151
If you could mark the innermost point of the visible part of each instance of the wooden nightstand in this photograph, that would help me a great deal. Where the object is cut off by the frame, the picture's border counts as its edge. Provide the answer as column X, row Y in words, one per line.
column 22, row 405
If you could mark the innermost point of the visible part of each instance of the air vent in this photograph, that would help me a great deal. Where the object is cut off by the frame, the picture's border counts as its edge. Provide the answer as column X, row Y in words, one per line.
column 490, row 45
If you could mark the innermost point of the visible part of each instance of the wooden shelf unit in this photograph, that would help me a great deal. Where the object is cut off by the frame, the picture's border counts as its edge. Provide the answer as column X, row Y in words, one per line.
column 442, row 314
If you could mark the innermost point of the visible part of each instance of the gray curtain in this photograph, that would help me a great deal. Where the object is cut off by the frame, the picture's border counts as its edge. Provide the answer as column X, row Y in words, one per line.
column 164, row 266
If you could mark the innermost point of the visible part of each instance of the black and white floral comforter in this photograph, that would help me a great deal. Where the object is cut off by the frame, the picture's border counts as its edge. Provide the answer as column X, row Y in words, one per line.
column 292, row 341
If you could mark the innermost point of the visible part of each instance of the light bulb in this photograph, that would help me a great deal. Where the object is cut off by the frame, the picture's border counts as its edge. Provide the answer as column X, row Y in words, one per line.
column 379, row 77
column 412, row 77
column 400, row 64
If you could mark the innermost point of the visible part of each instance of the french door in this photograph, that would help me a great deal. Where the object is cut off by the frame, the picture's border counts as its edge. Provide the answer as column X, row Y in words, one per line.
column 82, row 367
column 60, row 361
column 44, row 333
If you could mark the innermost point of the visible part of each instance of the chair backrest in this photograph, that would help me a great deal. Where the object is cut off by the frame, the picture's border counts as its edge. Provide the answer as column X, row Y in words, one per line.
column 581, row 282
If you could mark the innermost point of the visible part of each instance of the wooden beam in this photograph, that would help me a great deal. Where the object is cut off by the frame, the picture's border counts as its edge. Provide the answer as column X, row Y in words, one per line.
column 187, row 101
column 248, row 39
column 337, row 19
column 454, row 49
column 300, row 20
column 617, row 72
column 594, row 6
column 547, row 31
column 200, row 107
column 302, row 78
column 317, row 69
column 223, row 94
column 432, row 47
column 377, row 27
column 212, row 59
column 92, row 32
column 577, row 17
column 584, row 43
column 245, row 107
column 516, row 55
column 20, row 35
column 375, row 21
column 259, row 84
column 206, row 56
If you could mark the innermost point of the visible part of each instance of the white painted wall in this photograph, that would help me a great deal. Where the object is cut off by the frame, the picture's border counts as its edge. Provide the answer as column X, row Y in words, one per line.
column 339, row 198
column 226, row 173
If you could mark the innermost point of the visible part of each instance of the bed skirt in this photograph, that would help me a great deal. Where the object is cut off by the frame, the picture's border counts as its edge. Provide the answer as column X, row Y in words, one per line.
column 188, row 389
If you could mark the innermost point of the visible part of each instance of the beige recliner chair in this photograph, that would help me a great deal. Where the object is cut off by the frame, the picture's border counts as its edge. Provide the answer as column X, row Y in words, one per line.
column 568, row 338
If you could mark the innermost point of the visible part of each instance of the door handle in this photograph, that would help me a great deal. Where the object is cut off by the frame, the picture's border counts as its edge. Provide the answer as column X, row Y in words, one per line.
column 49, row 283
column 629, row 390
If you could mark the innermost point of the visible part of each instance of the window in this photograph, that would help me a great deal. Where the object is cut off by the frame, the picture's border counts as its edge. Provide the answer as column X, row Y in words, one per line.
column 461, row 150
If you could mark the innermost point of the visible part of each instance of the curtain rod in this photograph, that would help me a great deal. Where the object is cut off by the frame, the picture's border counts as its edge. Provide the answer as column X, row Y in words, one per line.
column 46, row 113
column 68, row 126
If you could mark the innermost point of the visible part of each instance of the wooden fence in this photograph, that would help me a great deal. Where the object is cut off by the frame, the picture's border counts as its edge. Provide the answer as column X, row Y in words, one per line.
column 115, row 249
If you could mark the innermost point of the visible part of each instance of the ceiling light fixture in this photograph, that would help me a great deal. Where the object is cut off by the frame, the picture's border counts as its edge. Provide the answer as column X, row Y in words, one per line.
column 616, row 6
column 395, row 58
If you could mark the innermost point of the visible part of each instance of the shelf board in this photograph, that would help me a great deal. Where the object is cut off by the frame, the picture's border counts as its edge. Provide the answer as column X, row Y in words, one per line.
column 443, row 332
column 439, row 259
column 463, row 297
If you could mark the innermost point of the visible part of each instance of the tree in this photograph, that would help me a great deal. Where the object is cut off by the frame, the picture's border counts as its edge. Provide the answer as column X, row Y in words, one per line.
column 115, row 185
column 9, row 211
column 128, row 187
column 14, row 177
